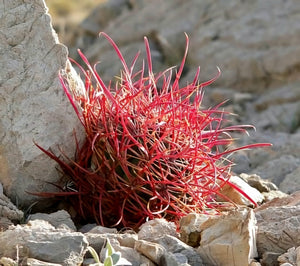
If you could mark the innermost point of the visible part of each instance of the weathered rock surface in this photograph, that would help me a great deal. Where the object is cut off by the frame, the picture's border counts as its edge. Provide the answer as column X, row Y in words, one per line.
column 240, row 37
column 228, row 239
column 59, row 219
column 292, row 256
column 278, row 229
column 40, row 240
column 237, row 197
column 33, row 104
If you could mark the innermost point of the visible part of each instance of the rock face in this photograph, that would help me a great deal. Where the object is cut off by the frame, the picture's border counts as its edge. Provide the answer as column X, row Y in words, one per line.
column 242, row 38
column 33, row 104
column 278, row 229
column 229, row 239
column 40, row 240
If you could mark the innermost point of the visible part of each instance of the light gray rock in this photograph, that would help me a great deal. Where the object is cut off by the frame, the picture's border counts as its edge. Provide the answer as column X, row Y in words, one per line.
column 229, row 239
column 33, row 104
column 258, row 183
column 102, row 230
column 152, row 251
column 291, row 182
column 240, row 37
column 277, row 169
column 35, row 262
column 59, row 219
column 9, row 210
column 155, row 229
column 292, row 256
column 278, row 228
column 40, row 240
column 178, row 251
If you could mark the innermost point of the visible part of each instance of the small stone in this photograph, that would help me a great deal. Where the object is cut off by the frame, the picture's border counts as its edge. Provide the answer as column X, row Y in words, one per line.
column 190, row 228
column 257, row 182
column 58, row 219
column 152, row 251
column 179, row 249
column 35, row 262
column 156, row 228
column 236, row 196
column 102, row 230
column 269, row 258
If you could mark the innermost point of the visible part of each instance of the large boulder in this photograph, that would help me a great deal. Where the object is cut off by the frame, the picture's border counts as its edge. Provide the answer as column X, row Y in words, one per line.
column 253, row 42
column 33, row 106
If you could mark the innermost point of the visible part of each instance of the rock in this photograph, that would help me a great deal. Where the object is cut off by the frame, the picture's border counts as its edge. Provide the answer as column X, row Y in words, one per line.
column 42, row 241
column 33, row 104
column 236, row 196
column 240, row 37
column 273, row 194
column 178, row 252
column 277, row 169
column 278, row 228
column 258, row 183
column 59, row 219
column 190, row 228
column 269, row 258
column 9, row 210
column 225, row 239
column 156, row 228
column 152, row 251
column 35, row 262
column 292, row 256
column 102, row 230
column 283, row 117
column 86, row 228
column 5, row 223
column 290, row 183
column 287, row 200
column 228, row 239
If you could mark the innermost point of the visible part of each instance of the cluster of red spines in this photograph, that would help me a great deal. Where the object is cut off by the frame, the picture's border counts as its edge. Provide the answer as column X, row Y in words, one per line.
column 150, row 151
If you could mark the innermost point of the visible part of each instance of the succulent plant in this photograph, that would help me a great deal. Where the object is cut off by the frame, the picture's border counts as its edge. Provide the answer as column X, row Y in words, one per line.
column 151, row 150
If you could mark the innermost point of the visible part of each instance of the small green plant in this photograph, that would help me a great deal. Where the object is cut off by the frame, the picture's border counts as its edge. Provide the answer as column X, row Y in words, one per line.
column 111, row 257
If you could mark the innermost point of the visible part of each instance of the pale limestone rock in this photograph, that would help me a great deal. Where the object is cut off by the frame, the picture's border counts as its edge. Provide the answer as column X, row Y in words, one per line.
column 152, row 251
column 58, row 219
column 237, row 197
column 9, row 210
column 33, row 104
column 42, row 241
column 278, row 228
column 229, row 239
column 292, row 256
column 156, row 228
column 190, row 228
column 178, row 251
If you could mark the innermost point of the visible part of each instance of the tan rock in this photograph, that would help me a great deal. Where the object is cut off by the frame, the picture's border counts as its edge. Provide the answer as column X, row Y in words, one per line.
column 152, row 251
column 33, row 104
column 237, row 197
column 229, row 239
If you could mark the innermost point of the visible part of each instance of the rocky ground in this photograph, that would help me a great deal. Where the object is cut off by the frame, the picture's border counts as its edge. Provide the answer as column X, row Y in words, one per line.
column 256, row 45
